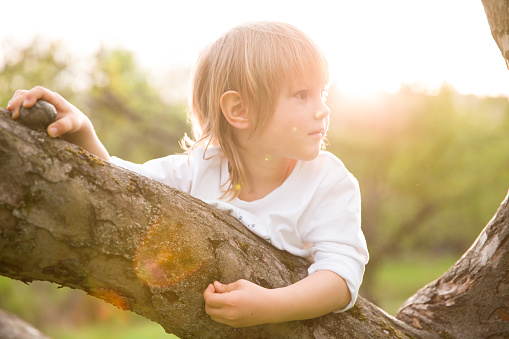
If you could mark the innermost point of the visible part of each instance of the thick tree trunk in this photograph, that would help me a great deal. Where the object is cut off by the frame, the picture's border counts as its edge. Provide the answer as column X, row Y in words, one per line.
column 72, row 219
column 497, row 12
column 471, row 300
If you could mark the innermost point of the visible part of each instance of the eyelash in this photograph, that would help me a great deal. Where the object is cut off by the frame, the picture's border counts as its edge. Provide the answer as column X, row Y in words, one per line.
column 304, row 94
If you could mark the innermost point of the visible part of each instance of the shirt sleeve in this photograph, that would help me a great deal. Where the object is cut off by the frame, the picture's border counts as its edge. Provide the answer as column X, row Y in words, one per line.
column 334, row 231
column 173, row 170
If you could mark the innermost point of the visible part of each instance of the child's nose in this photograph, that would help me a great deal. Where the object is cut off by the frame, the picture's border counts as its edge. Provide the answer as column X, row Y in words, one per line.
column 322, row 112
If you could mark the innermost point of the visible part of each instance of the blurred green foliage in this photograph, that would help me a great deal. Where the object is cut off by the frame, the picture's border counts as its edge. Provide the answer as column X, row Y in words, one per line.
column 432, row 168
column 129, row 115
column 71, row 314
column 398, row 279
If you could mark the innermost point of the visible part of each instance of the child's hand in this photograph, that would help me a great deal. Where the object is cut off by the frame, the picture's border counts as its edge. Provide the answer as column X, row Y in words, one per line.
column 70, row 119
column 243, row 303
column 72, row 125
column 238, row 304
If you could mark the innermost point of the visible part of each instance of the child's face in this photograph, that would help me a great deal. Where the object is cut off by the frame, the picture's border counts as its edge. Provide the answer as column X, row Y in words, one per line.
column 299, row 122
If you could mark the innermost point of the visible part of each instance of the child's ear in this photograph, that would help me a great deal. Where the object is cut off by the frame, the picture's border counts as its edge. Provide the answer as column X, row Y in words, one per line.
column 234, row 109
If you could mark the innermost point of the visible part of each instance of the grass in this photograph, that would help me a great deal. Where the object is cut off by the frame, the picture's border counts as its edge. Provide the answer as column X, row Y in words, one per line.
column 71, row 314
column 112, row 330
column 398, row 280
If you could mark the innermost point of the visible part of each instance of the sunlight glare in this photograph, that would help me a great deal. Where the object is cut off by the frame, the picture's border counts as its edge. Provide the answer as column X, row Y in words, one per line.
column 398, row 42
column 372, row 46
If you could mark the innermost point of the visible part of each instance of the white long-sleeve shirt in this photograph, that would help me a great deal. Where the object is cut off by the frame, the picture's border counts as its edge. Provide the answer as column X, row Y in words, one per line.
column 315, row 213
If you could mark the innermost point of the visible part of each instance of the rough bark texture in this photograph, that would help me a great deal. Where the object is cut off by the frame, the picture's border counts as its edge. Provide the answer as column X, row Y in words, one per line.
column 497, row 12
column 471, row 300
column 12, row 327
column 72, row 219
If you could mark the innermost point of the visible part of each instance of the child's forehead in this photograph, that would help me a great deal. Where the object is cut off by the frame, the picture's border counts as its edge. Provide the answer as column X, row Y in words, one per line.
column 305, row 82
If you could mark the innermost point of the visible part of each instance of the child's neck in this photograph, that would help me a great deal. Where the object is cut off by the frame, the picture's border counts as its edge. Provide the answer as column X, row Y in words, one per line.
column 264, row 175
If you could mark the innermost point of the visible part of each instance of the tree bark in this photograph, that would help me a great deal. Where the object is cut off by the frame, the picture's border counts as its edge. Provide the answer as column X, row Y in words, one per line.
column 12, row 327
column 497, row 12
column 70, row 218
column 471, row 300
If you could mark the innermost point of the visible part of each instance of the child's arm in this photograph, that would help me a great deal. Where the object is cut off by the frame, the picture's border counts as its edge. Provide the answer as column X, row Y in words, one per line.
column 243, row 303
column 72, row 125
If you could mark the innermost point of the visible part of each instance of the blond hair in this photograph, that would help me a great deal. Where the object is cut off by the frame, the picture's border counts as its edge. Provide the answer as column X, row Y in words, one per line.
column 256, row 60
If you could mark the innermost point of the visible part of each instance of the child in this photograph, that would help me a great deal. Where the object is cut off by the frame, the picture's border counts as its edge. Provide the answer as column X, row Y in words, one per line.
column 259, row 121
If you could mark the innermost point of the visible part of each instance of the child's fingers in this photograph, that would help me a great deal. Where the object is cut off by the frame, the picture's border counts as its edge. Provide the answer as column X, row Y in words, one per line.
column 42, row 93
column 29, row 100
column 24, row 98
column 226, row 288
column 213, row 299
column 16, row 102
column 220, row 288
column 214, row 307
column 53, row 131
column 210, row 289
column 60, row 127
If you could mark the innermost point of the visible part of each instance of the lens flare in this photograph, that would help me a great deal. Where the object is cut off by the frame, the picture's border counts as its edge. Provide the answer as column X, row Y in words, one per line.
column 165, row 256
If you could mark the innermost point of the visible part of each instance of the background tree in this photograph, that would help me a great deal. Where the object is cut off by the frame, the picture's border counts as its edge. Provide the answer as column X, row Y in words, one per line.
column 423, row 160
column 75, row 220
column 110, row 88
column 442, row 154
column 497, row 12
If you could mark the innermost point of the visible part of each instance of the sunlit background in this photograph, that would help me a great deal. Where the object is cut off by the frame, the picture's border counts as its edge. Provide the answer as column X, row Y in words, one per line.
column 372, row 45
column 419, row 114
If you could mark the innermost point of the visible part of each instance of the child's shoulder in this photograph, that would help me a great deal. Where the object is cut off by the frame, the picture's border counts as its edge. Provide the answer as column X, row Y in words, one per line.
column 205, row 153
column 327, row 169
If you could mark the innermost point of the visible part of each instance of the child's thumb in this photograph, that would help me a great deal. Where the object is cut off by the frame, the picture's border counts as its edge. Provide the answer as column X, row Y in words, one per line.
column 53, row 130
column 220, row 288
column 60, row 127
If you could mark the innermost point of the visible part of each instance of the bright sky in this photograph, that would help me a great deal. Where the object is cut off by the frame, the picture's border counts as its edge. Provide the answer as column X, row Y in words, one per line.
column 372, row 45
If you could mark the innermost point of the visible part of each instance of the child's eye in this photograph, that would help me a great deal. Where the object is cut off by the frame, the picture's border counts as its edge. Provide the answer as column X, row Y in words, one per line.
column 302, row 95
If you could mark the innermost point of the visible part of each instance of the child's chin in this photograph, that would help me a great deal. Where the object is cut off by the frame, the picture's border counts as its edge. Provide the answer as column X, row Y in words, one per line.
column 310, row 156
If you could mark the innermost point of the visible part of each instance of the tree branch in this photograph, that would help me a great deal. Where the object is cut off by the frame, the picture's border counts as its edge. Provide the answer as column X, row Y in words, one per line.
column 471, row 300
column 13, row 327
column 497, row 12
column 70, row 218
